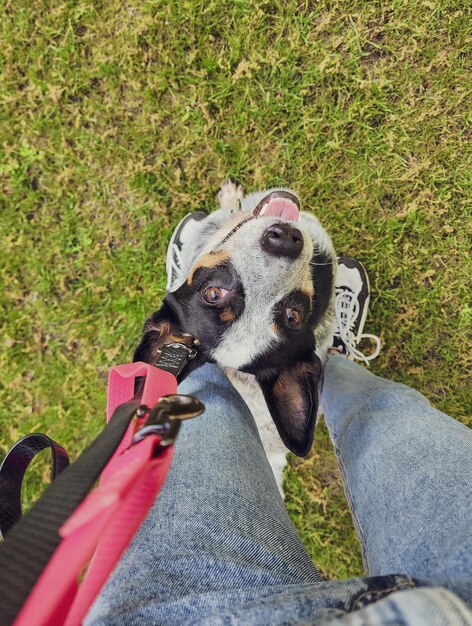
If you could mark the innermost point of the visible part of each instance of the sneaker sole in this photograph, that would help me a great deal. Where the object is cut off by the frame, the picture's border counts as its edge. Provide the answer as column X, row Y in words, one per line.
column 196, row 216
column 365, row 278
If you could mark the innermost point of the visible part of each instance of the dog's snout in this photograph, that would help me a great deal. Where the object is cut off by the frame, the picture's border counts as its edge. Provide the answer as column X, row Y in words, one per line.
column 282, row 240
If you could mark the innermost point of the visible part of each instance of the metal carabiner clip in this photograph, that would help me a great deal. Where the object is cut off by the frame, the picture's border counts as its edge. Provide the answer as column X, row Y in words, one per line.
column 166, row 417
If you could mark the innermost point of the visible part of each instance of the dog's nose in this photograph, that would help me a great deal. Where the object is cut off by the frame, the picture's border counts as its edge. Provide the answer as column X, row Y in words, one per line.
column 282, row 240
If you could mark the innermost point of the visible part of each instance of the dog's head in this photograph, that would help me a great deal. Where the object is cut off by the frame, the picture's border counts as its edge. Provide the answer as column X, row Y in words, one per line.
column 256, row 291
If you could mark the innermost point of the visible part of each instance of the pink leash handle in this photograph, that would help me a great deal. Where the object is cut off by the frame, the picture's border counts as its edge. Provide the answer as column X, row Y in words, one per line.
column 103, row 525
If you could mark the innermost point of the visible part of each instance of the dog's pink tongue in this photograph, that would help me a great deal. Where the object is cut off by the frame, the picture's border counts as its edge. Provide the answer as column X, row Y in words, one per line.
column 282, row 207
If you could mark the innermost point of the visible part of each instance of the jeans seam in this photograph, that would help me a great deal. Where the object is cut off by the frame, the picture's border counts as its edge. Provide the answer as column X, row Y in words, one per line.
column 350, row 501
column 336, row 439
column 382, row 593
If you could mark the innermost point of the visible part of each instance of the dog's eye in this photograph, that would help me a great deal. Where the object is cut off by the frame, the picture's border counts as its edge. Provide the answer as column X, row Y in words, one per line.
column 213, row 295
column 294, row 317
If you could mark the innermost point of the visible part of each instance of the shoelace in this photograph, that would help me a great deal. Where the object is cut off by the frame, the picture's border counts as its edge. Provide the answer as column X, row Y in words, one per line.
column 346, row 307
column 174, row 265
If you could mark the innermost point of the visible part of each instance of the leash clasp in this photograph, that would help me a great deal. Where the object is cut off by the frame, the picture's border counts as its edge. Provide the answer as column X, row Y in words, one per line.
column 166, row 417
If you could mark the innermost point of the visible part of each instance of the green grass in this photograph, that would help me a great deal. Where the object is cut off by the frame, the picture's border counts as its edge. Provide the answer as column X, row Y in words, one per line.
column 119, row 118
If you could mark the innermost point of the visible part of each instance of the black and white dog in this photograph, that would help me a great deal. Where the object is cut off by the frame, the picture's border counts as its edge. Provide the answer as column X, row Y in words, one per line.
column 257, row 290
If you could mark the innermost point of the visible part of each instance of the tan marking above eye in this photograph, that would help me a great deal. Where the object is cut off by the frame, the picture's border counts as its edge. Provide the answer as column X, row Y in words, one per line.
column 227, row 315
column 212, row 259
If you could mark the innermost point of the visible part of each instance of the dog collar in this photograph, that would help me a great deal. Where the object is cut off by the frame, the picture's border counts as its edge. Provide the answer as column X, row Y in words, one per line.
column 232, row 231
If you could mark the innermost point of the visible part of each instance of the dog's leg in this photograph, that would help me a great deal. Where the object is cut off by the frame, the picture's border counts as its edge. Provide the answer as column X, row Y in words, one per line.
column 230, row 195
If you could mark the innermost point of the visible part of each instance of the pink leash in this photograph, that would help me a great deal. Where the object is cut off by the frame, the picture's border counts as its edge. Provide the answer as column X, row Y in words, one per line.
column 104, row 523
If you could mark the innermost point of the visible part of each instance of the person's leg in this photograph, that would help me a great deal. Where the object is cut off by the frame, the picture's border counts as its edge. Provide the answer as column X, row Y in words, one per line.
column 218, row 524
column 407, row 470
column 407, row 467
column 218, row 546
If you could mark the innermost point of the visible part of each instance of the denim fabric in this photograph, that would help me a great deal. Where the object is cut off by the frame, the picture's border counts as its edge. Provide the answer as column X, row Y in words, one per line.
column 407, row 472
column 219, row 548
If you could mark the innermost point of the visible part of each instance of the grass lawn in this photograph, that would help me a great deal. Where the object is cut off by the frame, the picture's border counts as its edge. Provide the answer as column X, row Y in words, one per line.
column 117, row 118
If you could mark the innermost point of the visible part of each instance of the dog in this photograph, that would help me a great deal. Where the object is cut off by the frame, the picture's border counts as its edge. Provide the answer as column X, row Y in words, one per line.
column 257, row 291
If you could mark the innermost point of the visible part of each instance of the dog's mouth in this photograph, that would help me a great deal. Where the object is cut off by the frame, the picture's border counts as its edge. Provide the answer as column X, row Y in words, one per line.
column 281, row 204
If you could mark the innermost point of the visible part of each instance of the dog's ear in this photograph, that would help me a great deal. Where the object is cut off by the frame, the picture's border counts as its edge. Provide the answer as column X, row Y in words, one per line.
column 292, row 398
column 160, row 328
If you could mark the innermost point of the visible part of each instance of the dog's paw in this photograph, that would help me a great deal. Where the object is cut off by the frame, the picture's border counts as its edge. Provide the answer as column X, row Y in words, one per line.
column 230, row 194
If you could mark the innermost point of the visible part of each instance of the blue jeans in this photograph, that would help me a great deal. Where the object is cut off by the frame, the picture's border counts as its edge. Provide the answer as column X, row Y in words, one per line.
column 219, row 548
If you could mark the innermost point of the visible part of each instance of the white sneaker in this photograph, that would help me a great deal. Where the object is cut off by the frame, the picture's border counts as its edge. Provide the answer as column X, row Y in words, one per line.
column 183, row 234
column 351, row 307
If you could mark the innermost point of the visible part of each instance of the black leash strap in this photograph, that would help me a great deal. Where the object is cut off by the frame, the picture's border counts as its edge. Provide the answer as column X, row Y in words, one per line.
column 32, row 541
column 13, row 469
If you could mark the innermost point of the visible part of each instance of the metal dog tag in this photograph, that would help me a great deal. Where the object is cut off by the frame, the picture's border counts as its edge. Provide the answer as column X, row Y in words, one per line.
column 174, row 356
